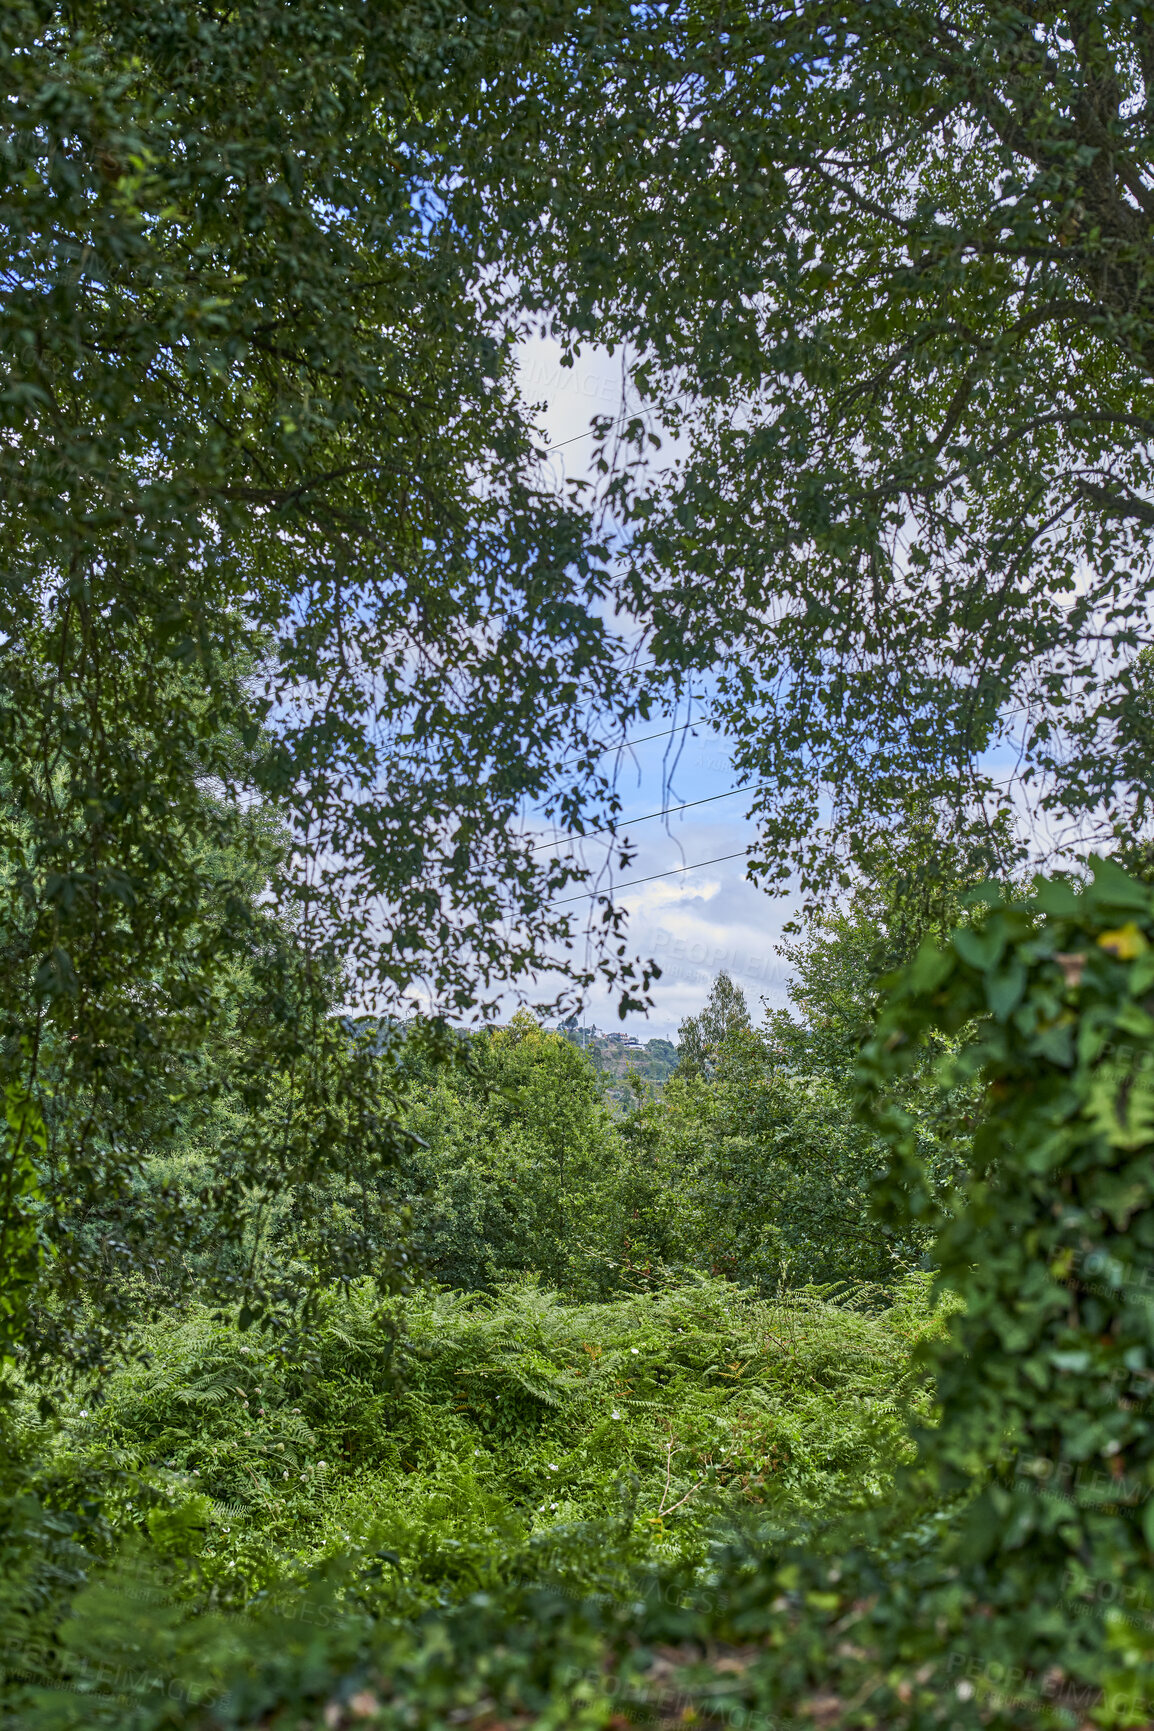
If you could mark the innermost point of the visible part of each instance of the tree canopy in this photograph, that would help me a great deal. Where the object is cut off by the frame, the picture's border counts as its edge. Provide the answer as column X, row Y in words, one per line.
column 295, row 635
column 906, row 348
column 701, row 1038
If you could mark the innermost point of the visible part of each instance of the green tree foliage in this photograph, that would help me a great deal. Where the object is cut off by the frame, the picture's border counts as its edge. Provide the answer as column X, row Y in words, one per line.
column 910, row 373
column 520, row 1167
column 299, row 641
column 517, row 1162
column 756, row 1171
column 1008, row 1581
column 1048, row 1242
column 1005, row 1536
column 279, row 558
column 168, row 1105
column 757, row 1136
column 1136, row 748
column 701, row 1039
column 785, row 1175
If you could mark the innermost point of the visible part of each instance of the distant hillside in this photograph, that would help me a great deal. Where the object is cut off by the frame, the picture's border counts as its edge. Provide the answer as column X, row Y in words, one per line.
column 652, row 1060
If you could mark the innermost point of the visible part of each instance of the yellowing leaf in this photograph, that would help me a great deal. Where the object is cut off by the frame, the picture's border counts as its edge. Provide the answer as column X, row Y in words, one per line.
column 1125, row 942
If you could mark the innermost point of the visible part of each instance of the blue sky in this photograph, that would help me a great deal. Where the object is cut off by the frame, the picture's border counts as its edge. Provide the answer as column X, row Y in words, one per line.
column 697, row 922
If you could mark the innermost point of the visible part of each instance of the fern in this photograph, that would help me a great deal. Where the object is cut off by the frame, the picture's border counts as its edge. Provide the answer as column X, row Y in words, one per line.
column 527, row 1440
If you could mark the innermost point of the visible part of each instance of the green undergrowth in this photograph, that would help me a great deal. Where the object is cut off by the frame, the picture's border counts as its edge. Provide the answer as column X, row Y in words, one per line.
column 501, row 1422
column 481, row 1449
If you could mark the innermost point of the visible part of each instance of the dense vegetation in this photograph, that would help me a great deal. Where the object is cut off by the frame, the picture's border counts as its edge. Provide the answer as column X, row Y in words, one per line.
column 583, row 1412
column 627, row 1452
column 364, row 1361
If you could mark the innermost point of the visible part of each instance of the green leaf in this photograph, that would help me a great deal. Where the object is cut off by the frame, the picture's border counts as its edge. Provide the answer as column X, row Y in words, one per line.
column 981, row 948
column 1004, row 989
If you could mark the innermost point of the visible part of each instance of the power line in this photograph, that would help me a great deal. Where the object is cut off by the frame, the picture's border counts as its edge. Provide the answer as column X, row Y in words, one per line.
column 629, row 415
column 627, row 744
column 561, row 443
column 587, row 894
column 687, row 805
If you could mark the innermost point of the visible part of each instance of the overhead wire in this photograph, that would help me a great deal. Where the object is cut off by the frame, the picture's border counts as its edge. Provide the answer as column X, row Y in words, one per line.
column 666, row 733
column 591, row 432
column 686, row 805
column 587, row 895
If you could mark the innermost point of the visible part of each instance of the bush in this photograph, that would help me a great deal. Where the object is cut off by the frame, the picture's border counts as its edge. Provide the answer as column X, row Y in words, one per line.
column 529, row 1447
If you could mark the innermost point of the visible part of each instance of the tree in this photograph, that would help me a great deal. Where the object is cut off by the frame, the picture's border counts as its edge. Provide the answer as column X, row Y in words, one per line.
column 911, row 373
column 516, row 1166
column 701, row 1039
column 276, row 541
column 197, row 1073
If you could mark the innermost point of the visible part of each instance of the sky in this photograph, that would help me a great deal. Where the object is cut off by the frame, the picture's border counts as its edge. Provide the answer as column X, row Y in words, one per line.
column 699, row 922
column 695, row 923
